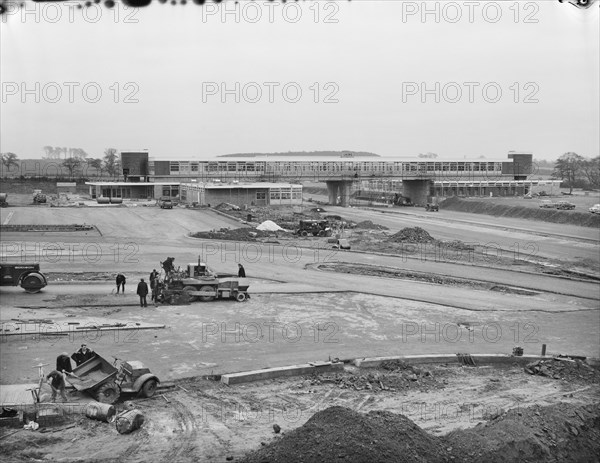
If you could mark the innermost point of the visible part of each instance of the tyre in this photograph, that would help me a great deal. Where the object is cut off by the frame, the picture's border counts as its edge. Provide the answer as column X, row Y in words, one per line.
column 303, row 233
column 149, row 388
column 108, row 393
column 33, row 283
column 240, row 297
column 187, row 290
column 207, row 289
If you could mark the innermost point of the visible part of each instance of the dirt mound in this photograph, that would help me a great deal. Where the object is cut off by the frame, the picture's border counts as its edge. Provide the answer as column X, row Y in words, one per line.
column 557, row 433
column 341, row 434
column 236, row 234
column 583, row 219
column 369, row 225
column 411, row 235
column 564, row 368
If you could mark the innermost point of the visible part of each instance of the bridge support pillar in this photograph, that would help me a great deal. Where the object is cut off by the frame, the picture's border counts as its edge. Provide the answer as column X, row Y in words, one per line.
column 332, row 191
column 339, row 189
column 416, row 190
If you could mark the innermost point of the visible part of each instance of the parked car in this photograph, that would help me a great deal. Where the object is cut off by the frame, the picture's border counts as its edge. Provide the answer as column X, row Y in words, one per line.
column 342, row 244
column 565, row 205
column 165, row 202
column 546, row 203
column 595, row 209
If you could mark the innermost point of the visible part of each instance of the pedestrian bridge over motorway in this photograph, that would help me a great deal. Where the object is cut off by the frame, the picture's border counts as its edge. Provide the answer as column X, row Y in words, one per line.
column 339, row 173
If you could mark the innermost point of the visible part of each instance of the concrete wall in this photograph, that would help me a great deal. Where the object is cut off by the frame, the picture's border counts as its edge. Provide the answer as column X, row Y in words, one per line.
column 135, row 163
column 416, row 190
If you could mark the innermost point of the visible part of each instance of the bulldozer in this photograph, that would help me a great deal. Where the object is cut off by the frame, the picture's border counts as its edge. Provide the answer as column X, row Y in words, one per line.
column 197, row 282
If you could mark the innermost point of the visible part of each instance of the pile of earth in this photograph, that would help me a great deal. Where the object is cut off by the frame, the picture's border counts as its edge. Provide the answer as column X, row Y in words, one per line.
column 564, row 368
column 557, row 433
column 341, row 434
column 411, row 235
column 369, row 225
column 235, row 234
column 399, row 376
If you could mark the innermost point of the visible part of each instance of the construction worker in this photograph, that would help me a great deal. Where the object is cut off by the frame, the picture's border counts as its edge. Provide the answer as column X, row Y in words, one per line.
column 142, row 291
column 56, row 380
column 153, row 276
column 83, row 354
column 63, row 363
column 241, row 271
column 120, row 282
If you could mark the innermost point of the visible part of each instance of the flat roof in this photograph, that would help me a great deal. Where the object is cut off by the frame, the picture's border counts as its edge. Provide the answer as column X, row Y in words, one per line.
column 210, row 185
column 130, row 183
column 338, row 158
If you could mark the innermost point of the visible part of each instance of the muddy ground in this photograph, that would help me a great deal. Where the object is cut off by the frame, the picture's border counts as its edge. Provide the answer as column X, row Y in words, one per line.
column 204, row 420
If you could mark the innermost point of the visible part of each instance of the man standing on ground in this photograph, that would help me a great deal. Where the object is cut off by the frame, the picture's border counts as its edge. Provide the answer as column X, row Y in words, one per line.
column 142, row 291
column 121, row 282
column 241, row 271
column 56, row 380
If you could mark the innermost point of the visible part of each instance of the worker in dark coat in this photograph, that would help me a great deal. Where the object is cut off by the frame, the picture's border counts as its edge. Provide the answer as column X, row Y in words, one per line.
column 56, row 379
column 121, row 282
column 63, row 363
column 142, row 291
column 83, row 354
column 241, row 271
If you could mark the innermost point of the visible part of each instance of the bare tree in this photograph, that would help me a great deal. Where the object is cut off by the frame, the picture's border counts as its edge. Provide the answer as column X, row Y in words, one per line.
column 111, row 162
column 96, row 164
column 71, row 164
column 591, row 171
column 568, row 168
column 48, row 152
column 8, row 160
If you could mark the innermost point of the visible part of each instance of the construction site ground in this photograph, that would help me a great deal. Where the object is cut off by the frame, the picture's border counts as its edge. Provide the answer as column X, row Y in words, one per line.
column 204, row 420
column 309, row 303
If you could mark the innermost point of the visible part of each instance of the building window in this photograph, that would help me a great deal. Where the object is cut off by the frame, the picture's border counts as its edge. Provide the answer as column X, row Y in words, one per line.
column 275, row 193
column 194, row 167
column 174, row 167
column 261, row 195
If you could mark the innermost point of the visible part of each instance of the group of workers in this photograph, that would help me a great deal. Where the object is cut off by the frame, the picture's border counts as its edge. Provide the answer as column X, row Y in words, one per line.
column 56, row 378
column 142, row 287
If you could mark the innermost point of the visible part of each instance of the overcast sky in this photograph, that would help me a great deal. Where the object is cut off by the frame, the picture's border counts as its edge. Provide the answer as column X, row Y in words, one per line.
column 307, row 76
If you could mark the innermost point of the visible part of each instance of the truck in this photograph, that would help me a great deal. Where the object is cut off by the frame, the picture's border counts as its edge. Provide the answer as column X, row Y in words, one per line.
column 198, row 283
column 39, row 197
column 314, row 228
column 432, row 204
column 27, row 276
column 105, row 381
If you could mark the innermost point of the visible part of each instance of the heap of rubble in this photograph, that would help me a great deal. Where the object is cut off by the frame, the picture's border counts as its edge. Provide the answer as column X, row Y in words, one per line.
column 564, row 368
column 411, row 235
column 369, row 225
